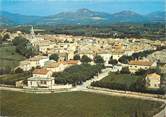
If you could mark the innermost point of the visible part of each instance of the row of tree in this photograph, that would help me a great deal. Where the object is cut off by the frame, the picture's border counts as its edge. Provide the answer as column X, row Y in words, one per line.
column 83, row 59
column 125, row 59
column 77, row 74
column 86, row 59
column 24, row 47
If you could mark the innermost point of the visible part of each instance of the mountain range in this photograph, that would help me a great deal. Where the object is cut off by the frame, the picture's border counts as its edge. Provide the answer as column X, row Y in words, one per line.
column 82, row 17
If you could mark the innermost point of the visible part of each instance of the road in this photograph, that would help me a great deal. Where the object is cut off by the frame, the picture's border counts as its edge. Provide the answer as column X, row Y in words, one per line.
column 86, row 84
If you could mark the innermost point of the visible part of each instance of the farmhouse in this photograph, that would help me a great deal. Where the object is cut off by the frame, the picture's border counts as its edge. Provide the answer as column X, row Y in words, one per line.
column 153, row 80
column 41, row 78
column 135, row 65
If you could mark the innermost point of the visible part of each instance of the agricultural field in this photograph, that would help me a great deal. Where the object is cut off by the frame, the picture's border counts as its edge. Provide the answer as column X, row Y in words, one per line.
column 10, row 79
column 119, row 81
column 9, row 58
column 74, row 104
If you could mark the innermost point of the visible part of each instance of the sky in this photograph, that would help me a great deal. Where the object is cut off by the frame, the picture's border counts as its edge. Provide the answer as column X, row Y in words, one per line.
column 52, row 7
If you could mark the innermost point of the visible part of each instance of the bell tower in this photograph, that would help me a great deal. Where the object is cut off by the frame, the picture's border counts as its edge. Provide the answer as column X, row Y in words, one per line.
column 32, row 33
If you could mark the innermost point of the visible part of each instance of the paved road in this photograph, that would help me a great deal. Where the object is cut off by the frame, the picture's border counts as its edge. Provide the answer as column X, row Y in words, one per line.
column 86, row 84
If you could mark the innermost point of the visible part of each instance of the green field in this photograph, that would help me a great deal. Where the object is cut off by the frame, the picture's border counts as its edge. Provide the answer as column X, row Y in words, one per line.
column 10, row 79
column 127, row 79
column 74, row 104
column 9, row 57
column 126, row 82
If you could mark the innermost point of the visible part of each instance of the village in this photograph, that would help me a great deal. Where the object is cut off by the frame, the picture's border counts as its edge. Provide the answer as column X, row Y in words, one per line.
column 59, row 52
column 46, row 63
column 82, row 58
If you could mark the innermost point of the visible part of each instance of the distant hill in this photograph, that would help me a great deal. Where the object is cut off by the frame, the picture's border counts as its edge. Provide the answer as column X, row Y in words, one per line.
column 5, row 21
column 158, row 16
column 83, row 17
column 129, row 16
column 19, row 19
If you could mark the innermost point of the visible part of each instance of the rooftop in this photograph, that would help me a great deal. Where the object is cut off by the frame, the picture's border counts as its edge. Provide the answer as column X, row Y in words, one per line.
column 140, row 62
column 69, row 62
column 41, row 71
column 153, row 75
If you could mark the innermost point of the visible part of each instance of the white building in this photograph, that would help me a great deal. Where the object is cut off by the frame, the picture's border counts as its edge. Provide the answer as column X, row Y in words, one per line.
column 41, row 79
column 153, row 80
column 135, row 65
column 28, row 64
column 41, row 82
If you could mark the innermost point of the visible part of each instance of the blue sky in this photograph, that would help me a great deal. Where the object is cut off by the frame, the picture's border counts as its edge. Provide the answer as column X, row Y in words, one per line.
column 50, row 7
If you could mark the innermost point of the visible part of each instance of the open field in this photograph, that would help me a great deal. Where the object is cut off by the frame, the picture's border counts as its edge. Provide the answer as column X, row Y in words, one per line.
column 9, row 57
column 118, row 81
column 121, row 79
column 74, row 104
column 10, row 79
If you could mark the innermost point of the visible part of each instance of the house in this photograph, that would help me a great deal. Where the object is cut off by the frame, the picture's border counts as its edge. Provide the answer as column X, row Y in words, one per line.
column 70, row 63
column 41, row 79
column 20, row 83
column 40, row 82
column 54, row 66
column 61, row 65
column 39, row 60
column 135, row 65
column 42, row 73
column 28, row 64
column 153, row 80
column 25, row 65
column 116, row 54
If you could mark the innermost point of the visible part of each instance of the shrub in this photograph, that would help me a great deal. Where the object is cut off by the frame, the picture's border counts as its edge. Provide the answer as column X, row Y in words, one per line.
column 54, row 57
column 85, row 59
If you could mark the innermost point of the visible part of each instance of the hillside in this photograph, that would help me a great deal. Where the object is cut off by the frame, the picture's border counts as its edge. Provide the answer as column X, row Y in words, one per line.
column 83, row 17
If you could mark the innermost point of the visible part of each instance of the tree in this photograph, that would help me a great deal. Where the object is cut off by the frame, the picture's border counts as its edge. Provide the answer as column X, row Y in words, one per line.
column 124, row 59
column 77, row 74
column 19, row 41
column 18, row 70
column 98, row 59
column 54, row 57
column 24, row 47
column 113, row 61
column 85, row 59
column 6, row 36
column 141, row 72
column 139, row 85
column 125, row 70
column 76, row 57
column 1, row 39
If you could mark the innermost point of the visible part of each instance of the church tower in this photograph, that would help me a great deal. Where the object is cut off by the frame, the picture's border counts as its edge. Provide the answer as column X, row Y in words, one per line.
column 32, row 33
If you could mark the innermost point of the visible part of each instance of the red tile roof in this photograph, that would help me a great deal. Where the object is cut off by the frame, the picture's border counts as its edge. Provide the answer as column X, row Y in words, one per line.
column 42, row 71
column 69, row 62
column 140, row 62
